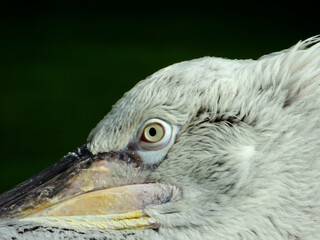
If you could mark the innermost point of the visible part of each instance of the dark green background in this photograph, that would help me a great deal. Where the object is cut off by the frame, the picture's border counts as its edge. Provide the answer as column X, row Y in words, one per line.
column 63, row 66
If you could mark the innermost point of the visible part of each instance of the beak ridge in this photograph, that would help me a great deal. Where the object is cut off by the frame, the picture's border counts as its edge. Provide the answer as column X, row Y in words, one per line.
column 85, row 184
column 32, row 188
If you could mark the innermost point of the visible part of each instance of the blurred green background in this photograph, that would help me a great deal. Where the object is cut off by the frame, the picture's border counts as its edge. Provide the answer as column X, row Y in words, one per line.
column 62, row 67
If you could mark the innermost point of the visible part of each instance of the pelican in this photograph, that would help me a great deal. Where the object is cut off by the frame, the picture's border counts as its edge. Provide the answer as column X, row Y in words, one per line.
column 210, row 148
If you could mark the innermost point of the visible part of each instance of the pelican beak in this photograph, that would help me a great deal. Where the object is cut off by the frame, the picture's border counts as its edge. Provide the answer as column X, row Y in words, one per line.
column 82, row 190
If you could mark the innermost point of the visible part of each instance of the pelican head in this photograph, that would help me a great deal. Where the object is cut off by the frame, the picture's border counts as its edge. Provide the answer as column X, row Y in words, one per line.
column 204, row 149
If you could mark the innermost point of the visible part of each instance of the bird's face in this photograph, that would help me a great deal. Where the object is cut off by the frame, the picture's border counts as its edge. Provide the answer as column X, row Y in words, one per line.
column 209, row 155
column 158, row 146
column 189, row 147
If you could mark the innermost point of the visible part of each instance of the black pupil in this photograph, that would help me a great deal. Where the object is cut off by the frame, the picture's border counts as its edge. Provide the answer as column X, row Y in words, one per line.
column 152, row 132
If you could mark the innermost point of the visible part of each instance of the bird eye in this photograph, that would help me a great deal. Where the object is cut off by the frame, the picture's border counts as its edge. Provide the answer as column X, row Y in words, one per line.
column 154, row 134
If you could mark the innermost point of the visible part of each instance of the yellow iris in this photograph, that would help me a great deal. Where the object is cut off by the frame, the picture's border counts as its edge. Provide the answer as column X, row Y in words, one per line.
column 153, row 133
